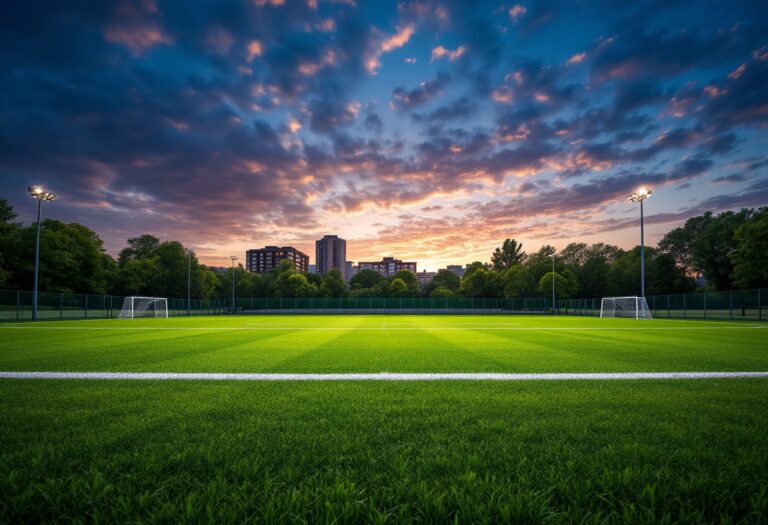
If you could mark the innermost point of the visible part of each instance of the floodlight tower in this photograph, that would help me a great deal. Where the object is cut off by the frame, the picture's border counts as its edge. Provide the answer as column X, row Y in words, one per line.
column 553, row 282
column 41, row 195
column 234, row 258
column 640, row 195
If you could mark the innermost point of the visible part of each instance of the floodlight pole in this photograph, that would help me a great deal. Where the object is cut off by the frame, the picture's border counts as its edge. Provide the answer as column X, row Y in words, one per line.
column 41, row 195
column 639, row 196
column 553, row 282
column 189, row 280
column 642, row 252
column 234, row 258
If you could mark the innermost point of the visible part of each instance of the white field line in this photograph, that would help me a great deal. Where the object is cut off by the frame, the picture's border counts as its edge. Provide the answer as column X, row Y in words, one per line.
column 383, row 376
column 416, row 327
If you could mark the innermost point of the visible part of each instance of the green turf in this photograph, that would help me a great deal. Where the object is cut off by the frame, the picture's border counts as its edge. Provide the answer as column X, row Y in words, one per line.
column 691, row 451
column 384, row 343
column 613, row 452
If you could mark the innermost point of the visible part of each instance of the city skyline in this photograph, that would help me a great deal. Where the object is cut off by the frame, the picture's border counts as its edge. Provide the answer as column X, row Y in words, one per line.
column 426, row 130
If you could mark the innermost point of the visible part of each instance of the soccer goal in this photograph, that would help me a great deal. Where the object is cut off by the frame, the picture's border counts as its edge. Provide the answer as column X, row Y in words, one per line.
column 134, row 307
column 631, row 307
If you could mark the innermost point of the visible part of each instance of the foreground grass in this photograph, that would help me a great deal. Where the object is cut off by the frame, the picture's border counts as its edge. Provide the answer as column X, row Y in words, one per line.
column 642, row 452
column 404, row 343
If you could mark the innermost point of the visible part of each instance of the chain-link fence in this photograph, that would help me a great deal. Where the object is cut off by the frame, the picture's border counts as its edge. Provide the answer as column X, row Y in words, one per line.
column 743, row 304
column 731, row 305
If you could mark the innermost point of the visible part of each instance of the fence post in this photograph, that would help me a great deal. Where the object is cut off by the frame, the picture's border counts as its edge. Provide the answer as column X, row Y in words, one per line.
column 61, row 307
column 18, row 303
column 685, row 310
column 730, row 303
column 85, row 306
column 759, row 307
column 705, row 306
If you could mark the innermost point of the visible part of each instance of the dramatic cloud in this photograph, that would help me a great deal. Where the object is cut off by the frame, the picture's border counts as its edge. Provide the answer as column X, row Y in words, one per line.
column 427, row 130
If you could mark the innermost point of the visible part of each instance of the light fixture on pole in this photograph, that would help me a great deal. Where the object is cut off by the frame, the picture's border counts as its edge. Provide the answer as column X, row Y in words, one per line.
column 640, row 195
column 41, row 195
column 234, row 258
column 553, row 282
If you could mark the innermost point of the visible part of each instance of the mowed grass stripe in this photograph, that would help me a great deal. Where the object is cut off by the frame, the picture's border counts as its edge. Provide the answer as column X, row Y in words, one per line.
column 481, row 452
column 433, row 344
column 384, row 376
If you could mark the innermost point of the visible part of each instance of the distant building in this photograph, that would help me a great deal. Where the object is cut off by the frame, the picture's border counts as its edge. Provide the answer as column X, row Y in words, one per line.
column 350, row 266
column 312, row 268
column 388, row 266
column 331, row 252
column 456, row 268
column 264, row 259
column 425, row 277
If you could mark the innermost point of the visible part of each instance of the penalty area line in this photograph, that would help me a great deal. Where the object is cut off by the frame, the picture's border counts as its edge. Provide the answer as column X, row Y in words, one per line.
column 382, row 376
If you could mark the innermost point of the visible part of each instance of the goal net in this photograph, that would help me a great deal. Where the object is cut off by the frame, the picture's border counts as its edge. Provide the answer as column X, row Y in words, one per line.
column 134, row 307
column 631, row 307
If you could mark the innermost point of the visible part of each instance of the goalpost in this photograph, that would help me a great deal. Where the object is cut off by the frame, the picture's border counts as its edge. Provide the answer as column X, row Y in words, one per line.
column 631, row 307
column 134, row 307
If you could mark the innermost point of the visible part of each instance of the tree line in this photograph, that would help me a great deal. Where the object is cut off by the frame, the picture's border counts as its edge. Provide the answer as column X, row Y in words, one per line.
column 709, row 252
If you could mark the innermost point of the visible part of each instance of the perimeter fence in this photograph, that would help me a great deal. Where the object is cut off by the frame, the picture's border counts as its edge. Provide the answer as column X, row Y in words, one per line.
column 748, row 305
column 16, row 305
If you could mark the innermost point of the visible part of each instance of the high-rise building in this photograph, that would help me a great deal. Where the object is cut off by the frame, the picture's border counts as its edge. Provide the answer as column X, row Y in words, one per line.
column 388, row 266
column 264, row 259
column 456, row 268
column 331, row 252
column 312, row 268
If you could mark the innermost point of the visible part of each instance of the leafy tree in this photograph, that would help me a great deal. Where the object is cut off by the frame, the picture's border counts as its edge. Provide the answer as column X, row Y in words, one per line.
column 135, row 277
column 365, row 279
column 142, row 247
column 574, row 255
column 472, row 267
column 565, row 285
column 541, row 262
column 750, row 257
column 509, row 254
column 714, row 248
column 593, row 271
column 6, row 211
column 8, row 232
column 398, row 288
column 678, row 243
column 518, row 281
column 441, row 292
column 333, row 285
column 72, row 258
column 480, row 283
column 314, row 278
column 410, row 280
column 444, row 279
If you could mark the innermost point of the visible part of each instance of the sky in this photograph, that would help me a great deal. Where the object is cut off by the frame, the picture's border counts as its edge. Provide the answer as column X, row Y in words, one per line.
column 429, row 131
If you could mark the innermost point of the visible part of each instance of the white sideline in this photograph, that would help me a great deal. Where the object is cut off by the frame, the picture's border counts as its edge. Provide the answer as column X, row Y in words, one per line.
column 382, row 376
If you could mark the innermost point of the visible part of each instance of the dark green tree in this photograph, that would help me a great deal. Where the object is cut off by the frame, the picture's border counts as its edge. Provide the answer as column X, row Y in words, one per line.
column 509, row 254
column 399, row 288
column 518, row 282
column 750, row 257
column 142, row 247
column 332, row 284
column 444, row 279
column 365, row 279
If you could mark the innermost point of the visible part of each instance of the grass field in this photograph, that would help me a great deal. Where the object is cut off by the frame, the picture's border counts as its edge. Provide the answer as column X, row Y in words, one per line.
column 557, row 451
